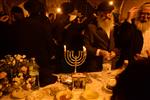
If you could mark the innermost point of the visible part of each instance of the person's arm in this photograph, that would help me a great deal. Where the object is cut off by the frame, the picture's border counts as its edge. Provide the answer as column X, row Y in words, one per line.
column 131, row 14
column 89, row 41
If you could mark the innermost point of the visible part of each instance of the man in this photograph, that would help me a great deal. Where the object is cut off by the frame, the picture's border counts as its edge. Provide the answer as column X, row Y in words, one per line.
column 143, row 24
column 17, row 19
column 56, row 40
column 99, row 39
column 135, row 47
column 33, row 40
column 67, row 31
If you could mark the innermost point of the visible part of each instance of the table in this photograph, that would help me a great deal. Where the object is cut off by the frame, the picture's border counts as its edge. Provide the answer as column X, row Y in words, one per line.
column 100, row 81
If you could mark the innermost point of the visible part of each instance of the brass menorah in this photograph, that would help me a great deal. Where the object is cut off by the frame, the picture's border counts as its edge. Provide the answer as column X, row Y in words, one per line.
column 74, row 60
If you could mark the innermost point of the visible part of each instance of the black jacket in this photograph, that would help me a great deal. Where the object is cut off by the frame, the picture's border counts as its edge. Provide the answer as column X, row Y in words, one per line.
column 96, row 38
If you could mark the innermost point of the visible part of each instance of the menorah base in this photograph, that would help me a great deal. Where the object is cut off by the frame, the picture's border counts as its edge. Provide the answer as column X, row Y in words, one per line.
column 78, row 81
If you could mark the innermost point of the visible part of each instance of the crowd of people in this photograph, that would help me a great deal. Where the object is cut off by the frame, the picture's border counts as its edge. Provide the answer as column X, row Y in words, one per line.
column 44, row 38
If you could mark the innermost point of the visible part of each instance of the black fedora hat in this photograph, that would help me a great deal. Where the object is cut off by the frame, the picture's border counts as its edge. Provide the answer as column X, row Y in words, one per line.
column 105, row 7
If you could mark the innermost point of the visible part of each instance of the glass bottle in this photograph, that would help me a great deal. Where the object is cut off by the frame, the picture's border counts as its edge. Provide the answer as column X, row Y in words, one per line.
column 34, row 74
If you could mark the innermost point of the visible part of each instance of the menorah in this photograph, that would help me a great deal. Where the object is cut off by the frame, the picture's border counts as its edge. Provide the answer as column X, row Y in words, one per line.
column 74, row 60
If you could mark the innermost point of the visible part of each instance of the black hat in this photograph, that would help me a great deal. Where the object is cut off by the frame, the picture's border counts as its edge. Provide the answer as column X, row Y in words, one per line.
column 33, row 6
column 67, row 7
column 105, row 7
column 16, row 9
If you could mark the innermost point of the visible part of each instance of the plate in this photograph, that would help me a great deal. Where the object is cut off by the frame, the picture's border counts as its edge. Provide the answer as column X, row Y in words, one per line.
column 18, row 94
column 89, row 95
column 64, row 95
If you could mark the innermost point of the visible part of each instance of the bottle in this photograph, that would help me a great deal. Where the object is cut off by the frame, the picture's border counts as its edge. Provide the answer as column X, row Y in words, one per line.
column 34, row 74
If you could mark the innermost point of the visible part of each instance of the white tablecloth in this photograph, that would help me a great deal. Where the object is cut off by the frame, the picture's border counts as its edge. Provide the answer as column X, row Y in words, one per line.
column 98, row 84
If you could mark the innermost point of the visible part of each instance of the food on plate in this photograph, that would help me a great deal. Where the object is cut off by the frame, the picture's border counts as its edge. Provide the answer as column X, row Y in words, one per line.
column 89, row 95
column 64, row 95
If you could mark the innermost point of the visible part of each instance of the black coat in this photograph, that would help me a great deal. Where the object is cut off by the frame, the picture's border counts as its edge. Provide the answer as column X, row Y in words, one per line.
column 67, row 33
column 96, row 38
column 32, row 40
column 5, row 39
column 130, row 41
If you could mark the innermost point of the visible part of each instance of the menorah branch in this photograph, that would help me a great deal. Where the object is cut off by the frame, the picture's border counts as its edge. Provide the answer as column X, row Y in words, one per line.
column 74, row 60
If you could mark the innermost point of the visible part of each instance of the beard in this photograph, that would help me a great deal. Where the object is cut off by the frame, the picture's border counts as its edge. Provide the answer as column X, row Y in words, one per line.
column 106, row 24
column 142, row 26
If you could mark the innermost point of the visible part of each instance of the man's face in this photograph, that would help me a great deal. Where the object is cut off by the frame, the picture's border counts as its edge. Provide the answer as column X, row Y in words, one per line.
column 145, row 15
column 105, row 15
column 105, row 20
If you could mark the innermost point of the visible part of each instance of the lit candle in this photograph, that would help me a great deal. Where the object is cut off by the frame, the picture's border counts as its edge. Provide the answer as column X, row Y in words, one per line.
column 64, row 48
column 84, row 49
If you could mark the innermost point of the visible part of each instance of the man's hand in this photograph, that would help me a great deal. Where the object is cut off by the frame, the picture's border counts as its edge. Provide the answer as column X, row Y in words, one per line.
column 148, row 53
column 138, row 57
column 131, row 14
column 112, row 54
column 105, row 54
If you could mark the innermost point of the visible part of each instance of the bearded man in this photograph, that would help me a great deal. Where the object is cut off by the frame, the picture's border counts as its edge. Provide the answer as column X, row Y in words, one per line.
column 134, row 34
column 133, row 83
column 99, row 39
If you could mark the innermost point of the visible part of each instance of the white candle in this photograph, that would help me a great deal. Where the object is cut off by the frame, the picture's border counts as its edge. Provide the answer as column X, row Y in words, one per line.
column 64, row 48
column 84, row 49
